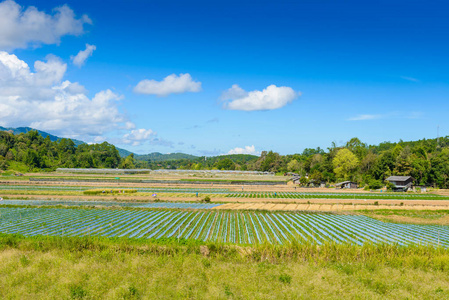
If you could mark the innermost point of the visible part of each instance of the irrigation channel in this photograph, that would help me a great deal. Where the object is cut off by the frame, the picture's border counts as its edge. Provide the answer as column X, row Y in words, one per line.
column 241, row 227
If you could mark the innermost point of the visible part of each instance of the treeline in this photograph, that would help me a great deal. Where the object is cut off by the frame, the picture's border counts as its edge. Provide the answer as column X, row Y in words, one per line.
column 222, row 162
column 32, row 152
column 425, row 160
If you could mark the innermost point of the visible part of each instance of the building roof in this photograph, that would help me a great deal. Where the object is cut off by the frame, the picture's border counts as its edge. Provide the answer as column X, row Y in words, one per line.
column 398, row 178
column 344, row 182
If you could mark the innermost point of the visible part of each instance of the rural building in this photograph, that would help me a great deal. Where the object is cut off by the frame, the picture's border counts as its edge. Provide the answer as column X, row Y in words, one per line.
column 401, row 183
column 346, row 185
column 295, row 179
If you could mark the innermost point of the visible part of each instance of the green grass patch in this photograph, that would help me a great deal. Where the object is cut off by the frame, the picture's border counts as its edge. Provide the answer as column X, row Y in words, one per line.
column 109, row 191
column 100, row 268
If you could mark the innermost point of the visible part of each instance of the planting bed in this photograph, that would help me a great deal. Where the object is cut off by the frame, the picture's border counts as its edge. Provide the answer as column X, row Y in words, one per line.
column 297, row 195
column 219, row 226
column 142, row 190
column 111, row 203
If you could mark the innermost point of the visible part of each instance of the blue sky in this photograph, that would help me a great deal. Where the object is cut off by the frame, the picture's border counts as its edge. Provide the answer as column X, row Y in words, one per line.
column 298, row 74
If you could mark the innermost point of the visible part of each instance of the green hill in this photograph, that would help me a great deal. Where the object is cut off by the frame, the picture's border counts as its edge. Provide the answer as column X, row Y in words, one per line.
column 54, row 138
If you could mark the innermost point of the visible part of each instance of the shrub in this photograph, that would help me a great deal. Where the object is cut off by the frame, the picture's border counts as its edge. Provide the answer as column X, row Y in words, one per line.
column 374, row 184
column 376, row 202
column 206, row 199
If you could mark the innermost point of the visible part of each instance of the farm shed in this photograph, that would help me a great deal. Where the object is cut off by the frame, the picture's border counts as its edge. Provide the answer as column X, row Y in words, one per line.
column 295, row 179
column 401, row 183
column 347, row 185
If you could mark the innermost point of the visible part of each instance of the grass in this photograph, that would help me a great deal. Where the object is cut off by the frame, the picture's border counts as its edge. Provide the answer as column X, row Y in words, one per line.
column 109, row 191
column 87, row 268
column 429, row 217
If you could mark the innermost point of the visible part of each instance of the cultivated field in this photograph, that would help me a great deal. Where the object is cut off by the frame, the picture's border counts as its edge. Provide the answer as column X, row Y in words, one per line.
column 66, row 239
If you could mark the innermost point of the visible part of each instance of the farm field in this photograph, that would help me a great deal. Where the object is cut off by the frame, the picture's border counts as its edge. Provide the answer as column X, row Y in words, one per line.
column 237, row 227
column 292, row 240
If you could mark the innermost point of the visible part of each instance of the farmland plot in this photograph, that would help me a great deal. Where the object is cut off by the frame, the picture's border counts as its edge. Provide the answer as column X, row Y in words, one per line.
column 139, row 189
column 111, row 203
column 218, row 226
column 358, row 196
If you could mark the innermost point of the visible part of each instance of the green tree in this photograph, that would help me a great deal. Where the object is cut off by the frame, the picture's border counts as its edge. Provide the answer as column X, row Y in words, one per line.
column 345, row 163
column 128, row 163
column 293, row 166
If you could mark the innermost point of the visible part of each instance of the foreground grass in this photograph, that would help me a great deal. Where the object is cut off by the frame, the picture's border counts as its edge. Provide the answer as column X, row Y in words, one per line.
column 64, row 268
column 424, row 217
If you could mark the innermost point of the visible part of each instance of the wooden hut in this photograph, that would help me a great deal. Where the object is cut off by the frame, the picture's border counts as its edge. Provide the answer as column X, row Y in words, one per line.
column 401, row 183
column 346, row 185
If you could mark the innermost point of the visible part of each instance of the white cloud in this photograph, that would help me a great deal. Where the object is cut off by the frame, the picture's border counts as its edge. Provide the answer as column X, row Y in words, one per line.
column 365, row 117
column 141, row 136
column 171, row 84
column 81, row 57
column 272, row 97
column 138, row 136
column 20, row 28
column 130, row 125
column 234, row 92
column 42, row 100
column 246, row 150
column 412, row 79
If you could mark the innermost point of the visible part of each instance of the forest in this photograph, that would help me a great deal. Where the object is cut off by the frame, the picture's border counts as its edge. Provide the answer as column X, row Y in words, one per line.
column 426, row 160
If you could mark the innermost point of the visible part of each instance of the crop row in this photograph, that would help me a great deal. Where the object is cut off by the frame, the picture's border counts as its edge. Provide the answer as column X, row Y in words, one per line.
column 220, row 226
column 84, row 188
column 362, row 196
column 175, row 205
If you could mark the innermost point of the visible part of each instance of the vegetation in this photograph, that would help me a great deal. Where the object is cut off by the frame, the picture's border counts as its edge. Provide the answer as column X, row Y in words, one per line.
column 428, row 217
column 98, row 268
column 108, row 191
column 32, row 151
column 425, row 160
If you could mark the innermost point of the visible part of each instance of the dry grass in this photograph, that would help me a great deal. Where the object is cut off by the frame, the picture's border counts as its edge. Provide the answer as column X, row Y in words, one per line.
column 111, row 273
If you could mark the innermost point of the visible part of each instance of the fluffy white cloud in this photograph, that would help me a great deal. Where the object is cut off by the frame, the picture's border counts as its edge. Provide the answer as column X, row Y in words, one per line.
column 79, row 59
column 138, row 136
column 171, row 84
column 40, row 99
column 246, row 150
column 272, row 97
column 20, row 28
column 141, row 136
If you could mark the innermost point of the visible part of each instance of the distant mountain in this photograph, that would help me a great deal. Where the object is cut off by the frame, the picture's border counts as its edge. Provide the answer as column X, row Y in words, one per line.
column 53, row 138
column 124, row 152
column 156, row 156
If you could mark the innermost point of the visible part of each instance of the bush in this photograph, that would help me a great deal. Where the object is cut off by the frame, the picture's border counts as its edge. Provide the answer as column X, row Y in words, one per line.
column 206, row 199
column 375, row 184
column 390, row 186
